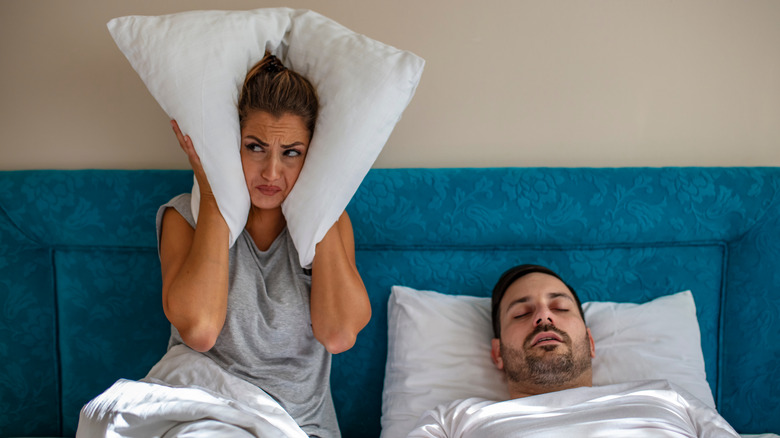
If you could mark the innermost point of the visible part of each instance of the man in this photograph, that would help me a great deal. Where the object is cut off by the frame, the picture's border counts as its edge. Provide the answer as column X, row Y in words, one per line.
column 544, row 348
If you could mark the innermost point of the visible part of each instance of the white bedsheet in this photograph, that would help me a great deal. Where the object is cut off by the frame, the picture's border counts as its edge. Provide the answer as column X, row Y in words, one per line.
column 185, row 394
column 638, row 409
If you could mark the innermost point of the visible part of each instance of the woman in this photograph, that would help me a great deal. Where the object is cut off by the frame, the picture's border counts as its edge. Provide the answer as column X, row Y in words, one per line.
column 251, row 307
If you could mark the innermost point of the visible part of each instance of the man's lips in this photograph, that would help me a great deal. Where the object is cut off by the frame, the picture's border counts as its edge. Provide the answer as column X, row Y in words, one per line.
column 546, row 338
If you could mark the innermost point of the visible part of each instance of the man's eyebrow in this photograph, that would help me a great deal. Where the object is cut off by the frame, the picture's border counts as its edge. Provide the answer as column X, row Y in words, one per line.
column 554, row 295
column 515, row 302
column 551, row 295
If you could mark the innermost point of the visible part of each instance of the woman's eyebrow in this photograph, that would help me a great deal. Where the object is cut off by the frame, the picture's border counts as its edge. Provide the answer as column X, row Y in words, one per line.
column 284, row 146
column 252, row 137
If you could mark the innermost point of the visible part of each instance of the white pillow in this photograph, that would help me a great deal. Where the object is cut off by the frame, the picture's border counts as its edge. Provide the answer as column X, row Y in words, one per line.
column 439, row 350
column 194, row 64
column 659, row 339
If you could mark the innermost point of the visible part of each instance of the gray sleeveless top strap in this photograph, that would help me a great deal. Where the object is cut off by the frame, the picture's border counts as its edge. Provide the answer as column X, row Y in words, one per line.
column 267, row 338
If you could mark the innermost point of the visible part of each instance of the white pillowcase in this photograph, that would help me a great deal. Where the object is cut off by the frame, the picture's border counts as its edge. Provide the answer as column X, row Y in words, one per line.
column 194, row 64
column 439, row 350
column 659, row 339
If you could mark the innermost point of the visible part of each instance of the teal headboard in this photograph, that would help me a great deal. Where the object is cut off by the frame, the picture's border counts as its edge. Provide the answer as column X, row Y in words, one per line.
column 80, row 280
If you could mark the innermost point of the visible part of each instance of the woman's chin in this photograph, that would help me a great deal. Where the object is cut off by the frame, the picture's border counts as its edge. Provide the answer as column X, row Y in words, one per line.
column 267, row 203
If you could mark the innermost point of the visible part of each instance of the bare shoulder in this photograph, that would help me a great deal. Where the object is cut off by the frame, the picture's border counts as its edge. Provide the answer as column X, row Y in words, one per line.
column 176, row 236
column 345, row 223
column 347, row 235
column 173, row 224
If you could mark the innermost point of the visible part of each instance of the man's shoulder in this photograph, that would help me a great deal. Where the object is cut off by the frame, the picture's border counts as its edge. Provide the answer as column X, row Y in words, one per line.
column 575, row 396
column 556, row 398
column 466, row 404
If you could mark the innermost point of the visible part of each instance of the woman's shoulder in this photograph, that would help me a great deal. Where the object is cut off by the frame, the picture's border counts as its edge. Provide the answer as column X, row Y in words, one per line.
column 182, row 204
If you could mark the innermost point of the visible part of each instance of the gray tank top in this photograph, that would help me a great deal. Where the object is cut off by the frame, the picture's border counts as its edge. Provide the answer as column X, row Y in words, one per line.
column 267, row 338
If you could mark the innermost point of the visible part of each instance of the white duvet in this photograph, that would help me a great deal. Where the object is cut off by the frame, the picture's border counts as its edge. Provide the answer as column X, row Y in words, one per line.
column 185, row 394
column 637, row 409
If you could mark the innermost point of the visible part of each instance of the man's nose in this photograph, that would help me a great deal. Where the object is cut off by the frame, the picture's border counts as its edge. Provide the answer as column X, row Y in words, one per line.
column 541, row 321
column 543, row 316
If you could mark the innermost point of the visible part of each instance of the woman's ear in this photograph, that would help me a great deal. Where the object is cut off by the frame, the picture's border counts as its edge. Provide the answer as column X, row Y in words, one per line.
column 495, row 353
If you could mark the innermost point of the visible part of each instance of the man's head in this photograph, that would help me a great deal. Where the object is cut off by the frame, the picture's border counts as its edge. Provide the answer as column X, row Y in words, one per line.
column 541, row 340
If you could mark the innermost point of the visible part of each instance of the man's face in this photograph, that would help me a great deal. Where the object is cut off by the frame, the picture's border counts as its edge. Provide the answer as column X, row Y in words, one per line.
column 544, row 341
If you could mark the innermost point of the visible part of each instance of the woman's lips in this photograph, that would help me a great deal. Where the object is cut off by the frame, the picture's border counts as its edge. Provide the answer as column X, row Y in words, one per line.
column 268, row 190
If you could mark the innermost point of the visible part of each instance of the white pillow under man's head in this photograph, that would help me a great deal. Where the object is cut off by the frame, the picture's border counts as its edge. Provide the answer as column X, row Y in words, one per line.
column 438, row 350
column 194, row 64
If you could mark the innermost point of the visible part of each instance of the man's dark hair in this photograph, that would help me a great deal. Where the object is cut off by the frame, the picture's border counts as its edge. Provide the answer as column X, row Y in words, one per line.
column 514, row 274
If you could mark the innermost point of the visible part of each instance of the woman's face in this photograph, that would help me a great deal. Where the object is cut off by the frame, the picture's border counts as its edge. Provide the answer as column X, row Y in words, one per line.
column 272, row 154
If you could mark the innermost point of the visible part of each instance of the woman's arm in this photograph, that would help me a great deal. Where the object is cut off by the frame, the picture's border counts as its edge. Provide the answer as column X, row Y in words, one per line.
column 195, row 264
column 339, row 302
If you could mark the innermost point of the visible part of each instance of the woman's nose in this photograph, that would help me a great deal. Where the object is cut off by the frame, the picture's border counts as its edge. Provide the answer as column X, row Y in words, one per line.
column 271, row 168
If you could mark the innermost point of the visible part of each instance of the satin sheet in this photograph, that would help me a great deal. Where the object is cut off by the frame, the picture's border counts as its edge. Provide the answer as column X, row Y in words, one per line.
column 185, row 394
column 637, row 409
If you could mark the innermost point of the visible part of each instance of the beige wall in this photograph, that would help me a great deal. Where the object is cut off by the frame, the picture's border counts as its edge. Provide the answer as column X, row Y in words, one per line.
column 507, row 82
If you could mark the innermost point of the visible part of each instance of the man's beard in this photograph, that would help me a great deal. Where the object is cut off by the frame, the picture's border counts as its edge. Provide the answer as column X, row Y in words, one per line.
column 547, row 369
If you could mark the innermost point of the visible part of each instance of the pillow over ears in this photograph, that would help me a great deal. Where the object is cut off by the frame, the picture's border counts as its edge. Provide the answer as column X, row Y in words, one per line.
column 194, row 64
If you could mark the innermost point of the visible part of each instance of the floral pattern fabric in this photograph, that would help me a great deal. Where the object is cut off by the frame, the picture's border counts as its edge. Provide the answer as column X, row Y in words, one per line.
column 80, row 279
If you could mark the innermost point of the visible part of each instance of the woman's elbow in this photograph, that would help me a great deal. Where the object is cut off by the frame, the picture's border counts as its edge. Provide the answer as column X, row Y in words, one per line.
column 337, row 341
column 200, row 337
column 200, row 343
column 339, row 335
column 198, row 330
column 341, row 340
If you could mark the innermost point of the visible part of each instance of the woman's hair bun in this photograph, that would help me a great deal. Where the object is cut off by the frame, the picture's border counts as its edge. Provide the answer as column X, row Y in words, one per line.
column 271, row 87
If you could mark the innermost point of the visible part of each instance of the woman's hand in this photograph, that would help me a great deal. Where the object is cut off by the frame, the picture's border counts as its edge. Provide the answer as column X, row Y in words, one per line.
column 185, row 142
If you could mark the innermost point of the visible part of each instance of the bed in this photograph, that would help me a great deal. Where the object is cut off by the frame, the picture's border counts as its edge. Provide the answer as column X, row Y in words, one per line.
column 80, row 280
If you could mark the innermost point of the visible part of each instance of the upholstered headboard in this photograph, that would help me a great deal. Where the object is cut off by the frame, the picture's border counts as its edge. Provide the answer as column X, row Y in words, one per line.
column 616, row 234
column 80, row 281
